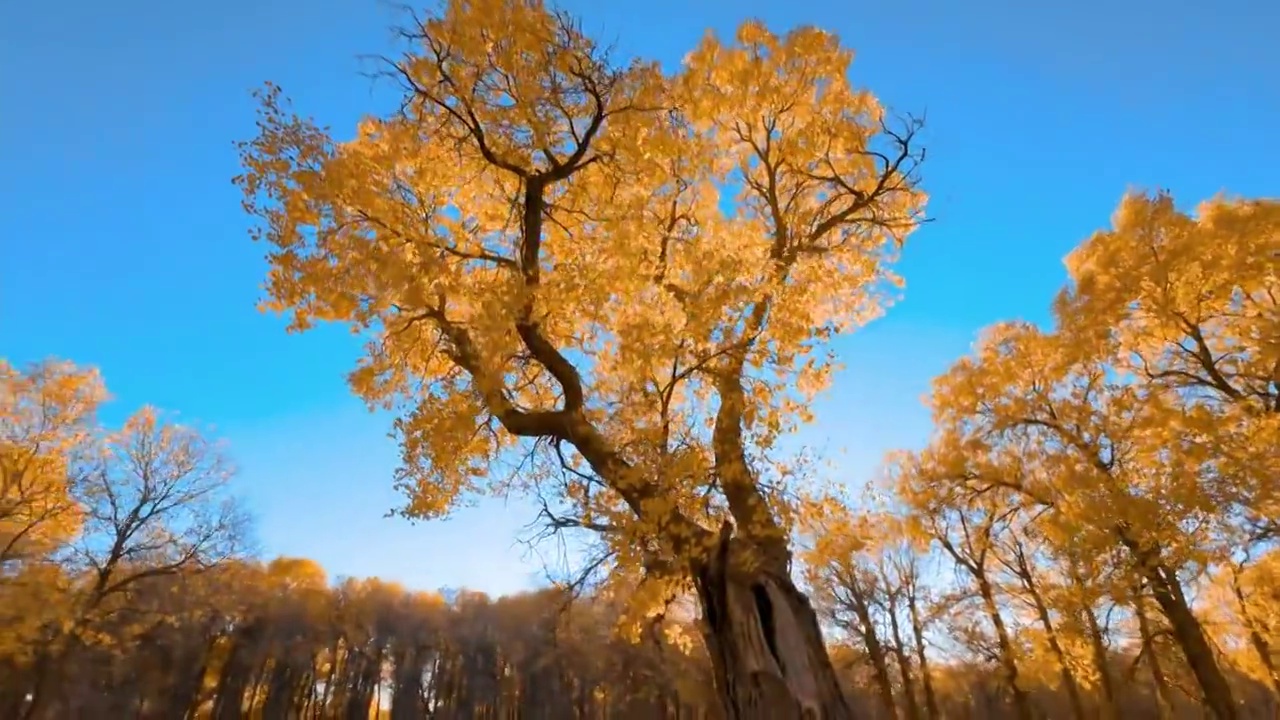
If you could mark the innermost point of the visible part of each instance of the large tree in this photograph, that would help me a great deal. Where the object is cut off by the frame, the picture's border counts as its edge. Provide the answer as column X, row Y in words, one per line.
column 629, row 270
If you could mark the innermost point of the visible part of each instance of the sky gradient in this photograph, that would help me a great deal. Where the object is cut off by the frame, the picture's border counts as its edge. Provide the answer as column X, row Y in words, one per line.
column 124, row 245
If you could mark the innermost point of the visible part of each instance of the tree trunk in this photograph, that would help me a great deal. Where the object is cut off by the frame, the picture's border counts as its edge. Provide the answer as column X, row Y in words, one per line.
column 1021, row 702
column 1164, row 700
column 1187, row 630
column 926, row 680
column 184, row 691
column 763, row 638
column 875, row 649
column 1097, row 645
column 1029, row 581
column 236, row 673
column 1195, row 646
column 904, row 663
column 281, row 680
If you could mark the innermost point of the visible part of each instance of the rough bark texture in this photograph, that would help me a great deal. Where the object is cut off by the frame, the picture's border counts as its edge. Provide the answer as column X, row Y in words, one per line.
column 763, row 637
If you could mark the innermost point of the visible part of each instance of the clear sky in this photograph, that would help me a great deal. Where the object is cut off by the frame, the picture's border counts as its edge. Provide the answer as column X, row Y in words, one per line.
column 123, row 243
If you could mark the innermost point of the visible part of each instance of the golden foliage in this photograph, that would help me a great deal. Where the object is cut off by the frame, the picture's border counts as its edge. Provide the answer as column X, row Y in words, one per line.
column 1150, row 410
column 1133, row 442
column 640, row 265
column 46, row 420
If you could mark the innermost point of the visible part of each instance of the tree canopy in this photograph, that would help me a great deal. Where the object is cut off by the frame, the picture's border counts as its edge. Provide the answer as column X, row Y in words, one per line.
column 630, row 270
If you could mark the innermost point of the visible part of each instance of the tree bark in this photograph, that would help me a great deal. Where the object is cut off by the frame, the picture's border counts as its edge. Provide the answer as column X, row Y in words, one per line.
column 1164, row 701
column 1097, row 645
column 1187, row 630
column 1021, row 702
column 871, row 639
column 236, row 674
column 1191, row 638
column 917, row 632
column 762, row 635
column 904, row 662
column 1189, row 633
column 1028, row 577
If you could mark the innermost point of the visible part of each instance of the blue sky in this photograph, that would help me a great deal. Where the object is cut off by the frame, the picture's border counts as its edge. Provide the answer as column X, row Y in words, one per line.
column 123, row 244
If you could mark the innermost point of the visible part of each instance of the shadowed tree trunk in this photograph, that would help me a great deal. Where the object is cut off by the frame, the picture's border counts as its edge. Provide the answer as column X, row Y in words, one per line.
column 860, row 602
column 1164, row 698
column 1187, row 630
column 762, row 634
column 1022, row 569
column 917, row 633
column 185, row 686
column 904, row 661
column 236, row 675
column 1021, row 702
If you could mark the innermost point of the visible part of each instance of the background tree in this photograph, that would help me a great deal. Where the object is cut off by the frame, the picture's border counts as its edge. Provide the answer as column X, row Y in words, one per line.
column 1137, row 422
column 155, row 504
column 100, row 529
column 46, row 417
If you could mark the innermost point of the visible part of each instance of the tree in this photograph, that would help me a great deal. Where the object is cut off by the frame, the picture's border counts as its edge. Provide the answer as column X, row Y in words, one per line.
column 630, row 269
column 847, row 587
column 46, row 418
column 865, row 575
column 47, row 414
column 1145, row 419
column 154, row 502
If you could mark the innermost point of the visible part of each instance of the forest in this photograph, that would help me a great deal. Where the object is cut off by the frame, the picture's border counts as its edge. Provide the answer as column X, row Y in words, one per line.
column 614, row 287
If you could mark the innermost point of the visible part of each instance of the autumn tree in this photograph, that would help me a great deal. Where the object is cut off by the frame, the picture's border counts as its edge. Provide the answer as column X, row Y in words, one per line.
column 864, row 571
column 153, row 496
column 1247, row 609
column 47, row 415
column 47, row 420
column 636, row 268
column 1145, row 419
column 156, row 503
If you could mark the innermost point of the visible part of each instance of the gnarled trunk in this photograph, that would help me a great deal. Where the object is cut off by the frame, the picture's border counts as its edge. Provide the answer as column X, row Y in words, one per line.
column 763, row 638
